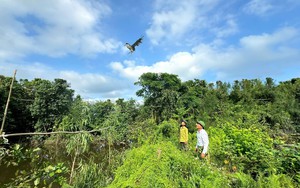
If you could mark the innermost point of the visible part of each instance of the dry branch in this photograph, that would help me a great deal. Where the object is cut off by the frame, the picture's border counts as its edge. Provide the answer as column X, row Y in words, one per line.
column 47, row 133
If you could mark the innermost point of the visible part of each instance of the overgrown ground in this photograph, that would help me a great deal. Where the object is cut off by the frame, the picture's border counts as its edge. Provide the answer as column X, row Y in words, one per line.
column 238, row 157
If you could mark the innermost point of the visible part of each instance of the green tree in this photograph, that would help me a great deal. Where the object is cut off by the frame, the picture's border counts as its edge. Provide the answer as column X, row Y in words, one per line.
column 52, row 101
column 100, row 112
column 18, row 117
column 192, row 94
column 160, row 92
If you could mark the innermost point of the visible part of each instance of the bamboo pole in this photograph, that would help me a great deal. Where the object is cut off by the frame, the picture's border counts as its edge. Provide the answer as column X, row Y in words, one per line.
column 109, row 141
column 7, row 103
column 72, row 168
column 46, row 133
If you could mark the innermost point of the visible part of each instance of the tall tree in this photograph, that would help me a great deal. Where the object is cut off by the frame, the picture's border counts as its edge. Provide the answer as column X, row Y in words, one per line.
column 100, row 112
column 160, row 92
column 52, row 100
column 191, row 100
column 18, row 116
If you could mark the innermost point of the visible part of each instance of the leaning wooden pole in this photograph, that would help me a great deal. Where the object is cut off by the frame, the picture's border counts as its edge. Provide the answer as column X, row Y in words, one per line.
column 7, row 103
column 47, row 133
column 109, row 142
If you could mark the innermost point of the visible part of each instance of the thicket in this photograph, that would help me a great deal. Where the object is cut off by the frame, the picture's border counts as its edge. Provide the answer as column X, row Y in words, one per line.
column 253, row 128
column 160, row 163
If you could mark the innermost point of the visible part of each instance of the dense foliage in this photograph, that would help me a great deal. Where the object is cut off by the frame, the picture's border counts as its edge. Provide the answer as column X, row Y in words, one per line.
column 253, row 127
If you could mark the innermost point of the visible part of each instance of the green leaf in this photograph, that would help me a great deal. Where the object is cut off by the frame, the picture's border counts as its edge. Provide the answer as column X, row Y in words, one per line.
column 36, row 149
column 36, row 181
column 52, row 174
column 49, row 168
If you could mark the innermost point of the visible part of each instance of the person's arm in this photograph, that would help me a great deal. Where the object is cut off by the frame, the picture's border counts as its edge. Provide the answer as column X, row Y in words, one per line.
column 186, row 135
column 180, row 135
column 205, row 143
column 196, row 148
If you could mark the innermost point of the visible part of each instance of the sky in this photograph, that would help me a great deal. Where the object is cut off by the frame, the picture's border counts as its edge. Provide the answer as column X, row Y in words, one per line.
column 82, row 41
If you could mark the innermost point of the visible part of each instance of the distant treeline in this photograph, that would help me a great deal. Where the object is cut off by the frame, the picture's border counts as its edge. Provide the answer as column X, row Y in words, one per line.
column 39, row 105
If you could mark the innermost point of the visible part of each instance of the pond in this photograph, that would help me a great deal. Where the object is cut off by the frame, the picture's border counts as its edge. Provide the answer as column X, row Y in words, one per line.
column 24, row 157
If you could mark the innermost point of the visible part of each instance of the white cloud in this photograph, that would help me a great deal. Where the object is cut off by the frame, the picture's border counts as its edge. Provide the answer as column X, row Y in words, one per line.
column 258, row 7
column 165, row 23
column 92, row 86
column 256, row 56
column 171, row 20
column 185, row 64
column 28, row 71
column 92, row 83
column 53, row 28
column 87, row 85
column 229, row 28
column 270, row 7
column 278, row 38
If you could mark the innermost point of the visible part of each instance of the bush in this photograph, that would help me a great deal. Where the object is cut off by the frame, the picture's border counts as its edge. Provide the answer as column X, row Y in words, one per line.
column 163, row 165
column 140, row 131
column 248, row 149
column 90, row 175
column 275, row 181
column 289, row 157
column 169, row 131
column 240, row 180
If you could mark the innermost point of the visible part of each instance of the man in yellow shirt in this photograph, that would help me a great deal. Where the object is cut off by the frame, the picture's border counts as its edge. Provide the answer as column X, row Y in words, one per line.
column 184, row 135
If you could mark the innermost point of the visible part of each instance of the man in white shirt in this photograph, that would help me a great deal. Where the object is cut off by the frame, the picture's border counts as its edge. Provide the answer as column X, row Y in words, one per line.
column 202, row 139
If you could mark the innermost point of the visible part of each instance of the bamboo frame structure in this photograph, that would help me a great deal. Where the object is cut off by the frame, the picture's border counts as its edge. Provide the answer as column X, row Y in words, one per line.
column 7, row 103
column 48, row 133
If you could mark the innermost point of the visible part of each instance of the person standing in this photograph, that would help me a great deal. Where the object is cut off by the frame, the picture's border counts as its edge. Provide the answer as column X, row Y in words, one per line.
column 184, row 135
column 202, row 139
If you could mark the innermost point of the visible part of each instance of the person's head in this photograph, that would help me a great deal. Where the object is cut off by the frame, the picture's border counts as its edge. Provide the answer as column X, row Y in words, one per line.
column 183, row 123
column 200, row 125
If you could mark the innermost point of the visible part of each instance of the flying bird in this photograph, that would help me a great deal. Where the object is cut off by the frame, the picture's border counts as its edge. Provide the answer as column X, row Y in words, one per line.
column 132, row 47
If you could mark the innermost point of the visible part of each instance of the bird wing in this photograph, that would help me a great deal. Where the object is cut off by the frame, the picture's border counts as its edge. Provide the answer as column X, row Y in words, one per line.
column 131, row 48
column 128, row 45
column 137, row 42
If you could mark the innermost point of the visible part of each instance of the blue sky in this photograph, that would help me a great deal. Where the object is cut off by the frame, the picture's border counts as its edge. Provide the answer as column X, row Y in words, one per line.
column 82, row 41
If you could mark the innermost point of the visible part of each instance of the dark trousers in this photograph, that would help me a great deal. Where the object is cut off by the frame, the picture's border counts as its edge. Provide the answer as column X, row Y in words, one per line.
column 183, row 146
column 199, row 151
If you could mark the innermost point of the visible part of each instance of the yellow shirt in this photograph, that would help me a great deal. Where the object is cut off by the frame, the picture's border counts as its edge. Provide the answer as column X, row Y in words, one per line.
column 184, row 135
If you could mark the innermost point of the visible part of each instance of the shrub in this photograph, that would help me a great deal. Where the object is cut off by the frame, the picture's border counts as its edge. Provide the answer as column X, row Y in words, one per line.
column 249, row 149
column 163, row 165
column 240, row 180
column 275, row 181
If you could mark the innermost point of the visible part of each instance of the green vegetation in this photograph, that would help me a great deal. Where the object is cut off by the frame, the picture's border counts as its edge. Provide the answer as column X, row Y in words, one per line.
column 253, row 128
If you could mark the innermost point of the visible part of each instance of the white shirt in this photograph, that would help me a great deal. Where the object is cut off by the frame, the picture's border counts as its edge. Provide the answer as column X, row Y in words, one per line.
column 202, row 140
